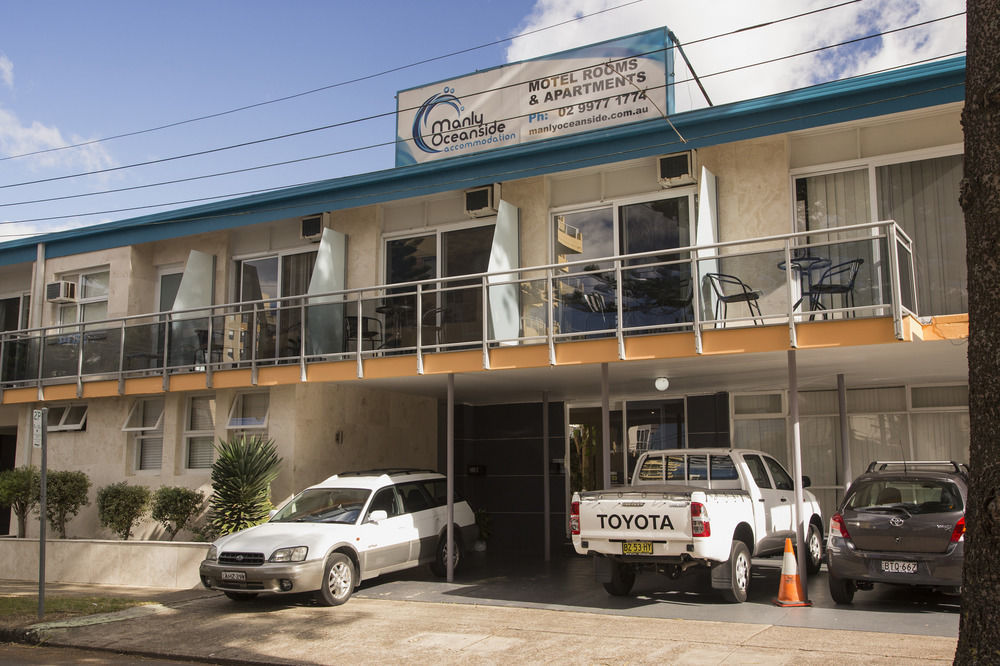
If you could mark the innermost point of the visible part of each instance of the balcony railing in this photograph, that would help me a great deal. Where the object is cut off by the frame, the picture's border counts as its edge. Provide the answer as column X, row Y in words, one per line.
column 847, row 272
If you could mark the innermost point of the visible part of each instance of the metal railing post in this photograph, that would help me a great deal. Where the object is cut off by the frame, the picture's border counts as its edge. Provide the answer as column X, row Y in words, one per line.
column 357, row 336
column 166, row 349
column 121, row 360
column 255, row 341
column 696, row 300
column 619, row 291
column 897, row 306
column 419, row 323
column 793, row 340
column 550, row 315
column 486, row 323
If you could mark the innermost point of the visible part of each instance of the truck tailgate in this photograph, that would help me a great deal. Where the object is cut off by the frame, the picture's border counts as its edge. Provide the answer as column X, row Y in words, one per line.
column 627, row 516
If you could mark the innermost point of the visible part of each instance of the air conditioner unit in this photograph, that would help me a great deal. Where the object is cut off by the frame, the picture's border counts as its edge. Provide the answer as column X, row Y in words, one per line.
column 678, row 169
column 311, row 228
column 482, row 201
column 60, row 292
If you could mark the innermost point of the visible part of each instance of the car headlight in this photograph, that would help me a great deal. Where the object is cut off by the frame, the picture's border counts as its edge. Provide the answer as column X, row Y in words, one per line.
column 296, row 554
column 213, row 553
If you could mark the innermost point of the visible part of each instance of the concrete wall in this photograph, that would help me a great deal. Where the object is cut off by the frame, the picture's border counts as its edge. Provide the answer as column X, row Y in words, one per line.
column 135, row 563
column 379, row 429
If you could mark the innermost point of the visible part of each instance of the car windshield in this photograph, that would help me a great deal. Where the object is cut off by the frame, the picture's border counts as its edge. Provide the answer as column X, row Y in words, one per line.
column 324, row 505
column 911, row 495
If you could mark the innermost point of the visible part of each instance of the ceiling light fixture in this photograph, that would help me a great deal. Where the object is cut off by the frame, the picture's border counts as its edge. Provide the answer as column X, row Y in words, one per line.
column 661, row 383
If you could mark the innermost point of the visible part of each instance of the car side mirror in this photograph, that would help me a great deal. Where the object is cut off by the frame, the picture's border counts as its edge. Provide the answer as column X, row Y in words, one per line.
column 377, row 516
column 806, row 481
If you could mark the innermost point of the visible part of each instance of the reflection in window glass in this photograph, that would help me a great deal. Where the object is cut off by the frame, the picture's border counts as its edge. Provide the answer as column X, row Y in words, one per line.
column 781, row 479
column 723, row 469
column 697, row 468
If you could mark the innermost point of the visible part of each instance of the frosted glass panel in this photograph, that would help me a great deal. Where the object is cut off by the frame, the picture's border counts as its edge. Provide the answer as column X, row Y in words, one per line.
column 940, row 396
column 818, row 402
column 891, row 399
column 943, row 436
column 878, row 437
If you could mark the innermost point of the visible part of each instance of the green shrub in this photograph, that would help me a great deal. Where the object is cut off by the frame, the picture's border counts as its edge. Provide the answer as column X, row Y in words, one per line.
column 174, row 506
column 241, row 483
column 19, row 489
column 65, row 493
column 120, row 506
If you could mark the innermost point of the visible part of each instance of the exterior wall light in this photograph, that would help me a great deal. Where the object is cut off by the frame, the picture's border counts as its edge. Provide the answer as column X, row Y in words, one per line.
column 661, row 383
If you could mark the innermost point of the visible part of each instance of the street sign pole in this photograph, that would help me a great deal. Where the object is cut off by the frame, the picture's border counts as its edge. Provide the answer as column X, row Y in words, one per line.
column 39, row 439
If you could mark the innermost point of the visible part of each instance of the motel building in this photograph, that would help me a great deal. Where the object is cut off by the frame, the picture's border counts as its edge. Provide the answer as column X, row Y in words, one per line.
column 543, row 289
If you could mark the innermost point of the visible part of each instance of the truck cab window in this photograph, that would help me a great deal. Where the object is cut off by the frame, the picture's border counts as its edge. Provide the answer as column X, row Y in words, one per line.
column 758, row 471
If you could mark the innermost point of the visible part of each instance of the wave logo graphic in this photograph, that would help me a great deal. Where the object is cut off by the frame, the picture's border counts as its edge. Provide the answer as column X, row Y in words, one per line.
column 422, row 119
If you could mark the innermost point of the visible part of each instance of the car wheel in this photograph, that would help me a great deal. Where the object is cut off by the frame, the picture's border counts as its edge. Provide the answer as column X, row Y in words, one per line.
column 338, row 580
column 241, row 596
column 814, row 550
column 439, row 567
column 739, row 573
column 842, row 589
column 622, row 580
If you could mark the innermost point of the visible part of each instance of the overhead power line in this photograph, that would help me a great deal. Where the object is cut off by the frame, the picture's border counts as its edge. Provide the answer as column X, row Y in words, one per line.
column 331, row 86
column 499, row 175
column 389, row 113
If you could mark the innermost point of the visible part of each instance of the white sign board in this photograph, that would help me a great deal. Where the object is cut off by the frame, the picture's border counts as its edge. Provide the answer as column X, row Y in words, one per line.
column 616, row 82
column 36, row 428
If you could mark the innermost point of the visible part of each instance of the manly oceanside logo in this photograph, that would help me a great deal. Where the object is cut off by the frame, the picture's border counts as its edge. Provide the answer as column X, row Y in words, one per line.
column 441, row 125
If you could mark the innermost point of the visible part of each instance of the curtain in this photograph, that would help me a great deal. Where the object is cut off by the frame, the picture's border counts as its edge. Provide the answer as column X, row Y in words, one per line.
column 941, row 436
column 923, row 198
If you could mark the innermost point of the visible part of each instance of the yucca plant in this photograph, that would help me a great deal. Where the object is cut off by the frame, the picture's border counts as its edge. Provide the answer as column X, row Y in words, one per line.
column 242, row 474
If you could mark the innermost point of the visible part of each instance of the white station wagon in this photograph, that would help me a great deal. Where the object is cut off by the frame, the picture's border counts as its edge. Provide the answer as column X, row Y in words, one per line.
column 331, row 536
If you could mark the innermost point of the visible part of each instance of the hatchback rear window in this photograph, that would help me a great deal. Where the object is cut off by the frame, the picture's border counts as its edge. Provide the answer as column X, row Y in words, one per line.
column 914, row 495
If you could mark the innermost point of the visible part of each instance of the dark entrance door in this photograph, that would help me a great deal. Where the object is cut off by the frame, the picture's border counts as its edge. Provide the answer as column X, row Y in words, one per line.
column 8, row 445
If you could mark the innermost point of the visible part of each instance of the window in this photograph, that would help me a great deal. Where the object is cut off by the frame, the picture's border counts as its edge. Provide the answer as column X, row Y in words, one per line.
column 67, row 417
column 199, row 432
column 385, row 500
column 14, row 313
column 781, row 479
column 653, row 294
column 92, row 298
column 249, row 413
column 454, row 315
column 414, row 496
column 757, row 471
column 922, row 197
column 145, row 422
column 279, row 325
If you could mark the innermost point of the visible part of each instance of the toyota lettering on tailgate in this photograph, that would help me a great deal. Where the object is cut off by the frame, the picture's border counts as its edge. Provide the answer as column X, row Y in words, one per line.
column 641, row 522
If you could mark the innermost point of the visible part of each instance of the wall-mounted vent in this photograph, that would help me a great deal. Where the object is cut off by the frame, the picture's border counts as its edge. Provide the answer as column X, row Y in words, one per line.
column 678, row 169
column 312, row 228
column 60, row 292
column 482, row 201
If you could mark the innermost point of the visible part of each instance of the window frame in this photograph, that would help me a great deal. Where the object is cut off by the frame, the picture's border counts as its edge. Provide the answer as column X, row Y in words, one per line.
column 77, row 277
column 237, row 406
column 189, row 434
column 63, row 426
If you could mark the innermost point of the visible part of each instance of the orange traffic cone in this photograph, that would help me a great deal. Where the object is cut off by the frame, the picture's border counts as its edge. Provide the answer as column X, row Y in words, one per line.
column 790, row 592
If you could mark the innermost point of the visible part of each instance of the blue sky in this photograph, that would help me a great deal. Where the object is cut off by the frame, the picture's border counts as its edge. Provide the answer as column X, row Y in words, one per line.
column 73, row 72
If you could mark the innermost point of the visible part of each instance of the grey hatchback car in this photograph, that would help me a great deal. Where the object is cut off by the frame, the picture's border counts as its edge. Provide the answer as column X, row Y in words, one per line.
column 901, row 523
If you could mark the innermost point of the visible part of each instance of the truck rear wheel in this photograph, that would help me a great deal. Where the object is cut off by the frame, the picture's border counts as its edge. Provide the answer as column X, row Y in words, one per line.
column 739, row 573
column 814, row 550
column 622, row 580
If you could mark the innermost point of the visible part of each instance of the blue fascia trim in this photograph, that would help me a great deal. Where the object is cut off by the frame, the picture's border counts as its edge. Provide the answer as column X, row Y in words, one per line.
column 922, row 86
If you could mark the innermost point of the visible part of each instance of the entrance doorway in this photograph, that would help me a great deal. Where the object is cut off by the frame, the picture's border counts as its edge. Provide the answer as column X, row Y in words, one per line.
column 636, row 426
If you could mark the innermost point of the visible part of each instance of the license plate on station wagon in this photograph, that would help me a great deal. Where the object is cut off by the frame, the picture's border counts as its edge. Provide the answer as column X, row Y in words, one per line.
column 239, row 576
column 637, row 548
column 895, row 566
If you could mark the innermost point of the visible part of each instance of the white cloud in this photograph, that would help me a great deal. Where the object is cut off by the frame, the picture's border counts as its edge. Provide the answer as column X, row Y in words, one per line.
column 6, row 71
column 17, row 138
column 695, row 21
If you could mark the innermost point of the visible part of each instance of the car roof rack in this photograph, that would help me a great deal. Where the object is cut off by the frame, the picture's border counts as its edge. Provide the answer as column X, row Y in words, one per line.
column 883, row 465
column 388, row 471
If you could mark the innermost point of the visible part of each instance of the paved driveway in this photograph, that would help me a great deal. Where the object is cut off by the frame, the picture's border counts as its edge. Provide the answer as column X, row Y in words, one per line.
column 567, row 583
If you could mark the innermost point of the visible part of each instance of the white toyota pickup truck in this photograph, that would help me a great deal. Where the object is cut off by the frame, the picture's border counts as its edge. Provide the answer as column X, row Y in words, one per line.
column 693, row 507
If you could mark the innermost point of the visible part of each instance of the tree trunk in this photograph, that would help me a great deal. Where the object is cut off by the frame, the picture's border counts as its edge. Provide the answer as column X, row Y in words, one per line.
column 22, row 525
column 979, row 630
